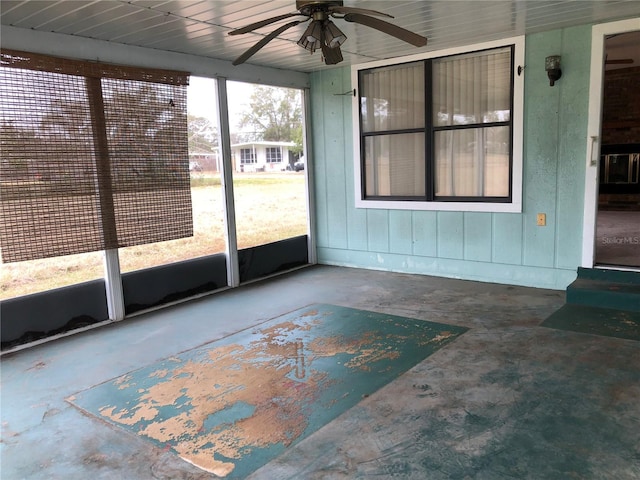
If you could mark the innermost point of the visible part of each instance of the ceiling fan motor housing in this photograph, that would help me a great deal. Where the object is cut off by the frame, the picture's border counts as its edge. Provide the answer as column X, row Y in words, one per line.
column 306, row 7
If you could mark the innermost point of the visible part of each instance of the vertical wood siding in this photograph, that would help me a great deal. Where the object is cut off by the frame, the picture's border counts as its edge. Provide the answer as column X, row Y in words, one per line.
column 494, row 247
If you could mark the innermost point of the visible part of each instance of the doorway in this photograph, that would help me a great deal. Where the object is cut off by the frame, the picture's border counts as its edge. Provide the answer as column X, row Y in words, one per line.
column 612, row 189
column 618, row 217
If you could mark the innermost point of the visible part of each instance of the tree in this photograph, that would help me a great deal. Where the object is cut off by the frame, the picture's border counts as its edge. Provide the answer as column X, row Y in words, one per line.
column 146, row 126
column 297, row 139
column 275, row 114
column 203, row 135
column 15, row 158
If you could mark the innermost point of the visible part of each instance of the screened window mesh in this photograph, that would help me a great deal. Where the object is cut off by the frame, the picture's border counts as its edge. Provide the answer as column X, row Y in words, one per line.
column 92, row 157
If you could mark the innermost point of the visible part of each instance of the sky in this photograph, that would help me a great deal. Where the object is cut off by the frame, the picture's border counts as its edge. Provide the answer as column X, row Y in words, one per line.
column 201, row 99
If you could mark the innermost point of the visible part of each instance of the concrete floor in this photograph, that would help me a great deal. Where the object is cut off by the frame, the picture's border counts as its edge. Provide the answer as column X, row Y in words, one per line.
column 507, row 399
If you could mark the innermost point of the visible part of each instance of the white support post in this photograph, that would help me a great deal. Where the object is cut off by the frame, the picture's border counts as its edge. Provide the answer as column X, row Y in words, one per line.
column 233, row 272
column 113, row 285
column 309, row 181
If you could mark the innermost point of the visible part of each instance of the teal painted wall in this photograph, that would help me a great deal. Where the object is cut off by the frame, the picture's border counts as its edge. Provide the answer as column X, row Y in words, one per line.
column 494, row 247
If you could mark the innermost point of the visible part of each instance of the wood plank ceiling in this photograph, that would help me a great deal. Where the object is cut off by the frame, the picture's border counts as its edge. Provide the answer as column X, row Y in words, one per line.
column 200, row 27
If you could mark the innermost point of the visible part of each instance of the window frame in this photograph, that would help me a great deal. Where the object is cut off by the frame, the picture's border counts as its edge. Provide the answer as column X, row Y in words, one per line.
column 517, row 118
column 250, row 159
column 271, row 158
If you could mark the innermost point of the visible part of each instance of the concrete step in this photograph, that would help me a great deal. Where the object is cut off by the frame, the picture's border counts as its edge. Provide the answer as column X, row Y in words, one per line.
column 609, row 275
column 613, row 289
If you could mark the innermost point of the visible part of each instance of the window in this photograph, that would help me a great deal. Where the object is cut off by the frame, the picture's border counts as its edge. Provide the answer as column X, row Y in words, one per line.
column 247, row 155
column 274, row 155
column 620, row 168
column 442, row 133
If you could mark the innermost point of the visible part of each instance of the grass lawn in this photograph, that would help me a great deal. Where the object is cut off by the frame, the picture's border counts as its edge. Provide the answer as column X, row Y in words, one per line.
column 269, row 207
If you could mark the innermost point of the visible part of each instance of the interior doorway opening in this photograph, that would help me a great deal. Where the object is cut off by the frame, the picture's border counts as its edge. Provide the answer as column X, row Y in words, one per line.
column 618, row 204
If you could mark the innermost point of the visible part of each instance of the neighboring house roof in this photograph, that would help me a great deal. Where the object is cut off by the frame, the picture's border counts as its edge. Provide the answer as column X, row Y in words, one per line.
column 200, row 154
column 263, row 144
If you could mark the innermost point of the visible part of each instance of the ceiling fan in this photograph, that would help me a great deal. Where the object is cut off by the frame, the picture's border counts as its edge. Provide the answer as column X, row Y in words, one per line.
column 322, row 33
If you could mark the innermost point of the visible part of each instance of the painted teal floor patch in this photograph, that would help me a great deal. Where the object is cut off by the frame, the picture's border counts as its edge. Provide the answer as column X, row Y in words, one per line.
column 596, row 321
column 233, row 405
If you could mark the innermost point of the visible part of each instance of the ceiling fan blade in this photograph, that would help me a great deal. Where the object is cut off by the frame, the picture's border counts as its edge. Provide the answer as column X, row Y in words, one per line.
column 364, row 11
column 254, row 26
column 249, row 53
column 388, row 28
column 332, row 56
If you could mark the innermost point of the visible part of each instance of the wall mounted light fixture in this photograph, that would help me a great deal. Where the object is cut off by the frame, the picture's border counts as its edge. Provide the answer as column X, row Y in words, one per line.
column 552, row 66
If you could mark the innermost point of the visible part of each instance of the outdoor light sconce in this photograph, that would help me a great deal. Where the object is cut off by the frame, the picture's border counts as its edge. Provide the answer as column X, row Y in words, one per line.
column 552, row 66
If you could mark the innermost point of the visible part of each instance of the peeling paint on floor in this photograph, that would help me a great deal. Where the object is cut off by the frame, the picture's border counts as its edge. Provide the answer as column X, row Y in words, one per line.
column 231, row 406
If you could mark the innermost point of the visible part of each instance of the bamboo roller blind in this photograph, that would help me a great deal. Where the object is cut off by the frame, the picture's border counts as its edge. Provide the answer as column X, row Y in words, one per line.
column 93, row 156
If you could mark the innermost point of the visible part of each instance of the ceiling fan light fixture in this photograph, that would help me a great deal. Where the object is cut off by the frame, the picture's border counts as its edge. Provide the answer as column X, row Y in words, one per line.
column 313, row 33
column 331, row 56
column 333, row 35
column 311, row 37
column 307, row 45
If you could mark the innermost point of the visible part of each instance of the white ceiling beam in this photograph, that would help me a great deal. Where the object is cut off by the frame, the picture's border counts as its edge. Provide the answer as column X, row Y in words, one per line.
column 109, row 52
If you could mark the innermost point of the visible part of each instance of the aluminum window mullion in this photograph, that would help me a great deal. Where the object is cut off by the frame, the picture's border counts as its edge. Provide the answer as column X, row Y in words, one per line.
column 464, row 126
column 429, row 154
column 307, row 148
column 393, row 132
column 233, row 271
column 113, row 285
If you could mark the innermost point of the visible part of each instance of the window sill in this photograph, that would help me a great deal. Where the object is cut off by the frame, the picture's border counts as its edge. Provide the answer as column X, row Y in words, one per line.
column 513, row 207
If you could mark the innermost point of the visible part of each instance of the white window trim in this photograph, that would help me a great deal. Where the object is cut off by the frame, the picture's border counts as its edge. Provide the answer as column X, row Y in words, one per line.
column 278, row 156
column 251, row 159
column 515, row 206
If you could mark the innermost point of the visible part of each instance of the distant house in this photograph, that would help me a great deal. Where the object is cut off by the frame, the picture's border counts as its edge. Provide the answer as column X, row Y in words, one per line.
column 204, row 161
column 262, row 156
